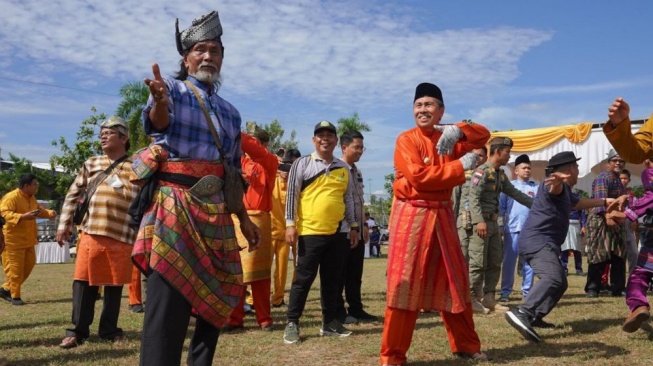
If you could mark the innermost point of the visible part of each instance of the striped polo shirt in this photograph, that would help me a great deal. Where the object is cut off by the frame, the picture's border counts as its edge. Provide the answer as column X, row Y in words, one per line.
column 319, row 196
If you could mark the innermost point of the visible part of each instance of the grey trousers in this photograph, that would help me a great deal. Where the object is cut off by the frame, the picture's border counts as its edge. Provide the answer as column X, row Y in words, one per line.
column 552, row 284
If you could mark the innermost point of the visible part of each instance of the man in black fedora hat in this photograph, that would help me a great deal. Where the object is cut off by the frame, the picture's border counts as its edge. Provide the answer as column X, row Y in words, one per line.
column 542, row 236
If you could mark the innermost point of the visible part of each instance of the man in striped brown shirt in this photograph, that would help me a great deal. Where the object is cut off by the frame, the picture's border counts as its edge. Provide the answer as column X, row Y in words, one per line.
column 106, row 240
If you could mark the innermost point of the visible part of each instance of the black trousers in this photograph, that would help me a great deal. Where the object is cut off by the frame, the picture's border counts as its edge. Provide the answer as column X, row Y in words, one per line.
column 552, row 284
column 578, row 259
column 352, row 281
column 326, row 253
column 617, row 275
column 84, row 297
column 167, row 315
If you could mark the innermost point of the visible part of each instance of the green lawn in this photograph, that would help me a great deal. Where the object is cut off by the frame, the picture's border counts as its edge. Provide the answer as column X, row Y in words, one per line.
column 588, row 332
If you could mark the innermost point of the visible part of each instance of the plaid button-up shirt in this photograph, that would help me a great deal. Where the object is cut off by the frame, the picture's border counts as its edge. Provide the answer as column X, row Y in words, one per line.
column 188, row 135
column 107, row 211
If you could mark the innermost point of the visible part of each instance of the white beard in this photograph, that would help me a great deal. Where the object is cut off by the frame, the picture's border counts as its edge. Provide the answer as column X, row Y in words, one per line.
column 206, row 77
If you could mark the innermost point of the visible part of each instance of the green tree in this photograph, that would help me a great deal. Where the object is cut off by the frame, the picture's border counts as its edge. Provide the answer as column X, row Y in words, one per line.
column 73, row 157
column 46, row 178
column 387, row 185
column 352, row 123
column 276, row 135
column 131, row 108
column 379, row 209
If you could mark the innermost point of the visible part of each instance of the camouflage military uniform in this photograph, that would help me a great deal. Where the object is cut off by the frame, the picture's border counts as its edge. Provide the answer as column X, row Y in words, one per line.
column 461, row 212
column 485, row 255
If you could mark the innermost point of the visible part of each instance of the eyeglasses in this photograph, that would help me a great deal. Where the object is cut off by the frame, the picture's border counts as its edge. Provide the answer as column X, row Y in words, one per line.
column 108, row 133
column 620, row 161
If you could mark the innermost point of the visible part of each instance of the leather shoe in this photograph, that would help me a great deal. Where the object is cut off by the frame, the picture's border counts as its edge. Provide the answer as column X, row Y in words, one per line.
column 69, row 342
column 636, row 319
column 5, row 294
column 137, row 308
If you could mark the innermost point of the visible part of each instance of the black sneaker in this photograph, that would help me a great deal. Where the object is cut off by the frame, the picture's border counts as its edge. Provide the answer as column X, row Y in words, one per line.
column 334, row 329
column 540, row 323
column 17, row 301
column 520, row 321
column 5, row 294
column 137, row 308
column 364, row 316
column 592, row 294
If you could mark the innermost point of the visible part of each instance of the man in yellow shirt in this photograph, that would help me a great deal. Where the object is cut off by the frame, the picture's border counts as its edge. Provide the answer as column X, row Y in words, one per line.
column 20, row 210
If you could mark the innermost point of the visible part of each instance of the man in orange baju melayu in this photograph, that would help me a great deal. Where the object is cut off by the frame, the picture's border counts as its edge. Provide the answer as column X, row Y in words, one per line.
column 260, row 170
column 426, row 267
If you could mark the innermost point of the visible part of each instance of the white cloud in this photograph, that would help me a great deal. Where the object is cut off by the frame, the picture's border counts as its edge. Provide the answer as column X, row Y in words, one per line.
column 328, row 52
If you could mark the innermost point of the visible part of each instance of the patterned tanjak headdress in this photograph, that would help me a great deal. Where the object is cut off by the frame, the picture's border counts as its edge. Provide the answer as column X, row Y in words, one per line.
column 204, row 28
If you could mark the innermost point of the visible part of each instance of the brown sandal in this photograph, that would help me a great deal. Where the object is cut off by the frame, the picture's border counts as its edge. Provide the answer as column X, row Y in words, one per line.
column 69, row 342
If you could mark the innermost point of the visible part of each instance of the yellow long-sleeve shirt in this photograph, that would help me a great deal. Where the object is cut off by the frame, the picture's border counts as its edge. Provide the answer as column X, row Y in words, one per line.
column 21, row 234
column 633, row 148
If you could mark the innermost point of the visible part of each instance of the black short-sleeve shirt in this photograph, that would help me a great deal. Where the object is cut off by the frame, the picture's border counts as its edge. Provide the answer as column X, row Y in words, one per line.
column 548, row 221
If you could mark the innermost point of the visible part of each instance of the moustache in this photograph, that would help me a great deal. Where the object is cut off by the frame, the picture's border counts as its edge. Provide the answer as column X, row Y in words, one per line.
column 208, row 64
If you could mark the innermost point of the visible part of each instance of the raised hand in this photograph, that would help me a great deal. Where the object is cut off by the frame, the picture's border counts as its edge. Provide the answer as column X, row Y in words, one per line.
column 618, row 111
column 450, row 135
column 469, row 160
column 555, row 178
column 157, row 86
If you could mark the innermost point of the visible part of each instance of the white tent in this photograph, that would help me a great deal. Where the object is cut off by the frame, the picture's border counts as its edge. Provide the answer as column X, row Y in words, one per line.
column 593, row 151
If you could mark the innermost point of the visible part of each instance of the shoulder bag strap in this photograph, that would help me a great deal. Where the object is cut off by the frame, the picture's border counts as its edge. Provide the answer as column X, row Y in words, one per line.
column 209, row 122
column 90, row 189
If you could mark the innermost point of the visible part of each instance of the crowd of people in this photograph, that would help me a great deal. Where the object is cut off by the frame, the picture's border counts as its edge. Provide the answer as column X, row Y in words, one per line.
column 206, row 211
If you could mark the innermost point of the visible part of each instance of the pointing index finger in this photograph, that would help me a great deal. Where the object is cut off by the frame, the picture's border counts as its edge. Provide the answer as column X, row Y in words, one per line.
column 156, row 72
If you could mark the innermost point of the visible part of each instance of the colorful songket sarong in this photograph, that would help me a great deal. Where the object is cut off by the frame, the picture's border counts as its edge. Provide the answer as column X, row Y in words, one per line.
column 426, row 267
column 189, row 241
column 602, row 241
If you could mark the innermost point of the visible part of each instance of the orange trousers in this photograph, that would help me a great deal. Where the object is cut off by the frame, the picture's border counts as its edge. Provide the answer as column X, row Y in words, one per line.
column 400, row 324
column 261, row 295
column 135, row 289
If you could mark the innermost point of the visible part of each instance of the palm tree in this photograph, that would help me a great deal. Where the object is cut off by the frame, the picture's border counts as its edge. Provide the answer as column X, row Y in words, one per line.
column 352, row 123
column 131, row 107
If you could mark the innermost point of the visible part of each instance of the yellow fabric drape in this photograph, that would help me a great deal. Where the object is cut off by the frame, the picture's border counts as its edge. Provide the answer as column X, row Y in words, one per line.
column 538, row 138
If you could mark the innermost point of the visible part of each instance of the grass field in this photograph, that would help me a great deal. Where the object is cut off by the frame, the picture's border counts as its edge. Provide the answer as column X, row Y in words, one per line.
column 588, row 333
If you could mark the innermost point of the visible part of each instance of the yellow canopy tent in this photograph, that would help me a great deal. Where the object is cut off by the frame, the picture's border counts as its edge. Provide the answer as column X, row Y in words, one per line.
column 586, row 140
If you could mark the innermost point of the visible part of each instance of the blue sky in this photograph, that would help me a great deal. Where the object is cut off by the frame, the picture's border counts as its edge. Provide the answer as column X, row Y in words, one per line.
column 507, row 64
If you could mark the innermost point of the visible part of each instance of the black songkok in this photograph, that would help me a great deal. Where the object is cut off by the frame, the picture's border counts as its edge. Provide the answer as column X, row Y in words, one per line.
column 428, row 90
column 522, row 159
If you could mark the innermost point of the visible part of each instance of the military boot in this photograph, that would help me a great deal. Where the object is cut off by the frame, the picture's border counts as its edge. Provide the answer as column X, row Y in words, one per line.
column 488, row 302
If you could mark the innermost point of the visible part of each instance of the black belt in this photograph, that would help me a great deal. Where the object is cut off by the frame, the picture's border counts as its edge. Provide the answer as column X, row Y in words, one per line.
column 176, row 178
